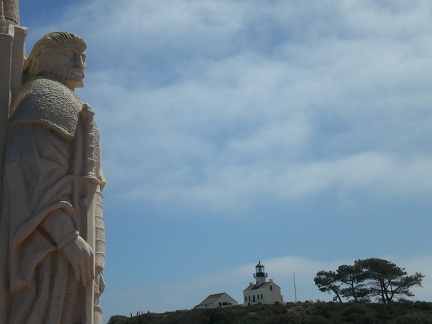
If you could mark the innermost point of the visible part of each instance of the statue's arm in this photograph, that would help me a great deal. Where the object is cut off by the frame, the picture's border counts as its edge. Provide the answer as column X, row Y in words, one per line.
column 59, row 226
column 81, row 256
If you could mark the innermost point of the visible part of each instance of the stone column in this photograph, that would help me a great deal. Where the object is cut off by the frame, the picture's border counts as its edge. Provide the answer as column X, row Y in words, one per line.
column 11, row 68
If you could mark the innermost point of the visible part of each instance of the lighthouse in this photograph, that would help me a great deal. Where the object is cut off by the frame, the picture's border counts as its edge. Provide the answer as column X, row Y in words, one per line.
column 263, row 291
column 260, row 275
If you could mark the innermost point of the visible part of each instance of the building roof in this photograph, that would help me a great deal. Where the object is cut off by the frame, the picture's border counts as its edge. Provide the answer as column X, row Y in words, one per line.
column 263, row 285
column 211, row 299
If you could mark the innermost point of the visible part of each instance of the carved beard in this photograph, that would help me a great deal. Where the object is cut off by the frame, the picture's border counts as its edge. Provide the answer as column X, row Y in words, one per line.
column 76, row 82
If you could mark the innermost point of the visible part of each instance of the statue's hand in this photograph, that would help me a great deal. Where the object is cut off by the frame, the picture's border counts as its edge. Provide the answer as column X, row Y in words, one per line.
column 81, row 257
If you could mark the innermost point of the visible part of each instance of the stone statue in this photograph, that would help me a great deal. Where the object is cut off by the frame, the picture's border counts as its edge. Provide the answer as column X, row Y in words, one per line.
column 52, row 237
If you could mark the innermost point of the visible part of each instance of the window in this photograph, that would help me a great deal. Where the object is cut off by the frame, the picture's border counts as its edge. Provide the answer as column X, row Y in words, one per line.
column 271, row 287
column 261, row 296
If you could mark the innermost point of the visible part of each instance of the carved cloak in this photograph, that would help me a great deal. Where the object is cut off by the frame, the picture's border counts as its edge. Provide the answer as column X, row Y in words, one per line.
column 47, row 147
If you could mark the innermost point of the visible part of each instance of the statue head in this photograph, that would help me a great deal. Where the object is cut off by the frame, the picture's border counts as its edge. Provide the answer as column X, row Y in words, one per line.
column 58, row 55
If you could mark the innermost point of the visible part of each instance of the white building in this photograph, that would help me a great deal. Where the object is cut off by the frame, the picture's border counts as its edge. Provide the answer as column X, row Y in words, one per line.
column 263, row 291
column 217, row 300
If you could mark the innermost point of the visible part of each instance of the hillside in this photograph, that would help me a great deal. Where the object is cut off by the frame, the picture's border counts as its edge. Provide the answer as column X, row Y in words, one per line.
column 306, row 312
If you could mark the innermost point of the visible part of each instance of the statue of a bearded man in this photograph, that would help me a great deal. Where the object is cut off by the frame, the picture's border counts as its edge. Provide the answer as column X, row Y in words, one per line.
column 51, row 229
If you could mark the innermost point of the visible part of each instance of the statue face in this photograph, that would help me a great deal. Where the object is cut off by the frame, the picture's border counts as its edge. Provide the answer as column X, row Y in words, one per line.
column 67, row 64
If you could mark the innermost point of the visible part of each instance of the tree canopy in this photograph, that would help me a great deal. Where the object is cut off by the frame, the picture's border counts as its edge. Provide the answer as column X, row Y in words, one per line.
column 367, row 279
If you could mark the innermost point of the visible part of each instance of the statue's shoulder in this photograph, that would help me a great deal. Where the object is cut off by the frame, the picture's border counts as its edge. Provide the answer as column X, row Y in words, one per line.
column 47, row 102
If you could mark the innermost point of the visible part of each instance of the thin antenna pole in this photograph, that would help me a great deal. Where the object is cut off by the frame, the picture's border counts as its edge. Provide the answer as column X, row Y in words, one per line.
column 295, row 288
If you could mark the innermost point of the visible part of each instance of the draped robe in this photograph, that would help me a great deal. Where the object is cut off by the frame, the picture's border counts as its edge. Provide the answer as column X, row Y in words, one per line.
column 51, row 179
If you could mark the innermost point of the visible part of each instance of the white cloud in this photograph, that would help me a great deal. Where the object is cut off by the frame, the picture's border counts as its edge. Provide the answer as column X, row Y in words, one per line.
column 220, row 188
column 203, row 103
column 380, row 174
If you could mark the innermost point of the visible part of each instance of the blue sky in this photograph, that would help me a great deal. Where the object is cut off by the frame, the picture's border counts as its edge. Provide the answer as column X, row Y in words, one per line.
column 297, row 133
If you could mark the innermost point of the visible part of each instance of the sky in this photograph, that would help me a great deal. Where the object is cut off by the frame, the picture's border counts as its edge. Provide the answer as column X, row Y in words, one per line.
column 296, row 133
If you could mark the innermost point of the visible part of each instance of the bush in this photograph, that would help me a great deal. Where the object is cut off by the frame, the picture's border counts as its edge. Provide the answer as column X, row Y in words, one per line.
column 293, row 313
column 417, row 318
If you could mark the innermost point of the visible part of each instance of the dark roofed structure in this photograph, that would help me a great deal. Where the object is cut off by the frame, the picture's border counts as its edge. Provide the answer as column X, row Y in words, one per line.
column 217, row 300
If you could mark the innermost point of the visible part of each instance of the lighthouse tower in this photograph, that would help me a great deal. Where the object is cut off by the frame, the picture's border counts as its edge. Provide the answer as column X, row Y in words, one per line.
column 263, row 291
column 260, row 275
